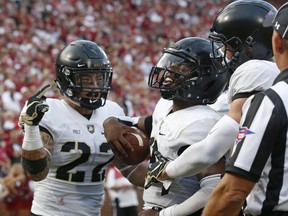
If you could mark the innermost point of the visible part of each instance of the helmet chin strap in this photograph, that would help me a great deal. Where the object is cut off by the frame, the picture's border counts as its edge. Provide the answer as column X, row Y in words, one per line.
column 169, row 94
column 87, row 103
column 244, row 54
column 90, row 104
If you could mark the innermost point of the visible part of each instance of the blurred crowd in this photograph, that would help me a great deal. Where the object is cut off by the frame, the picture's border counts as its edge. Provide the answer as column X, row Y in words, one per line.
column 133, row 34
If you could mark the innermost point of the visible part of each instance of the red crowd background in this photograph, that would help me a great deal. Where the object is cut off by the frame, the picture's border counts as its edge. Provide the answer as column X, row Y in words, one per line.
column 132, row 32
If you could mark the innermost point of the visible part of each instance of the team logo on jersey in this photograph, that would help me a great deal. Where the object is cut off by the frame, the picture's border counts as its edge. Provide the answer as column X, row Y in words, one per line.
column 91, row 128
column 243, row 131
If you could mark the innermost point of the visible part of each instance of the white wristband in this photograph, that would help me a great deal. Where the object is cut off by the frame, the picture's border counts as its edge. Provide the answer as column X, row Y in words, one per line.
column 32, row 139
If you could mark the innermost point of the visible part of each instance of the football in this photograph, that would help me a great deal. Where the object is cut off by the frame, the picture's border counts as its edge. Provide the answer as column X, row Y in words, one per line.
column 140, row 143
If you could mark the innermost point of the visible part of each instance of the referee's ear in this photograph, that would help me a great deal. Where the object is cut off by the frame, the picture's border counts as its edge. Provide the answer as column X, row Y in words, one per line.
column 279, row 44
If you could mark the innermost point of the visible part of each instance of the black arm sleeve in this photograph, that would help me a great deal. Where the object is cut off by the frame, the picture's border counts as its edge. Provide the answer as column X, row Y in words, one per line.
column 148, row 124
column 34, row 166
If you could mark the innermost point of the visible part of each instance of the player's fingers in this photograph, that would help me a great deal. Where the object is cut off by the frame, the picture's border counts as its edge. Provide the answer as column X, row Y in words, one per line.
column 21, row 120
column 43, row 107
column 118, row 149
column 43, row 90
column 159, row 156
column 131, row 130
column 115, row 151
column 125, row 145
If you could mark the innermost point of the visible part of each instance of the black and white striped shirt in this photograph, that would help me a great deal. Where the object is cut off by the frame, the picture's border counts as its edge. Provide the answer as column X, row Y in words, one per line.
column 261, row 148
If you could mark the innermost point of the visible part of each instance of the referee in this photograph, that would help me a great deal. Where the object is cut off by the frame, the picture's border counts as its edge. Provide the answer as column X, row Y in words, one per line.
column 258, row 168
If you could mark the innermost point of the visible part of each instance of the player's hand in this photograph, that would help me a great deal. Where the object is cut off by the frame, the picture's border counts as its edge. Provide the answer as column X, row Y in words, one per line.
column 114, row 131
column 155, row 170
column 36, row 107
column 21, row 120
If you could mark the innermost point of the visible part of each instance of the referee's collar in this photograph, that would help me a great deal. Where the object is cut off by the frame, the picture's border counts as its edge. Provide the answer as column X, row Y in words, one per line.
column 282, row 76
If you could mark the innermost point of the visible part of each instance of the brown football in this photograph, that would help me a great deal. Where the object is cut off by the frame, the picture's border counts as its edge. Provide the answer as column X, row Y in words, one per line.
column 140, row 143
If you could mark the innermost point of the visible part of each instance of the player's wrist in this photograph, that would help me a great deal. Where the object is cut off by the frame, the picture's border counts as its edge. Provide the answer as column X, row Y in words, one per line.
column 109, row 120
column 32, row 138
column 129, row 121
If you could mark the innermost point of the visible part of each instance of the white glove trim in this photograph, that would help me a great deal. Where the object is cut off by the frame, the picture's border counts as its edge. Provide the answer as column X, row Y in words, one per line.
column 132, row 120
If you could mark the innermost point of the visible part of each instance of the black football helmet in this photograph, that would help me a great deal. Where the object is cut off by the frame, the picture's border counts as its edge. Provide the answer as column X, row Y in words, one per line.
column 77, row 65
column 195, row 75
column 240, row 25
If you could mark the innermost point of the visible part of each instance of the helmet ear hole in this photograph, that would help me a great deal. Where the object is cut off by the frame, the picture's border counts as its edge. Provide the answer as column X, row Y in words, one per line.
column 249, row 51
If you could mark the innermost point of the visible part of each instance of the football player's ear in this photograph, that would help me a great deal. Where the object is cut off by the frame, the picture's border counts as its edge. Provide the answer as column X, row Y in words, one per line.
column 249, row 52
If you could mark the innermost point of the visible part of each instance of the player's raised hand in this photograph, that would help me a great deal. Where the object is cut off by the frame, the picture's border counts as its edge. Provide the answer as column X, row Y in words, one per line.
column 36, row 106
column 155, row 169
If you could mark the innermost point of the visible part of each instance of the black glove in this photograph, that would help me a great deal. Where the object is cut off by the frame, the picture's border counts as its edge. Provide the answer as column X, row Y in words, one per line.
column 155, row 169
column 36, row 107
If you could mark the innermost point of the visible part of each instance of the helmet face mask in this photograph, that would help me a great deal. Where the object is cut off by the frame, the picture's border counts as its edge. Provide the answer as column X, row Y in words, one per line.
column 91, row 86
column 170, row 74
column 84, row 74
column 186, row 72
column 230, row 50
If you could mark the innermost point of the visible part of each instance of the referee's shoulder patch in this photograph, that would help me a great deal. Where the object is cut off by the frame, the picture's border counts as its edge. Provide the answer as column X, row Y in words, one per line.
column 243, row 131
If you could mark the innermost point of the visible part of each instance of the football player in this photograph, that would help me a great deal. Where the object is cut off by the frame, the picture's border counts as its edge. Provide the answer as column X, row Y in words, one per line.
column 238, row 30
column 64, row 148
column 257, row 171
column 188, row 80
